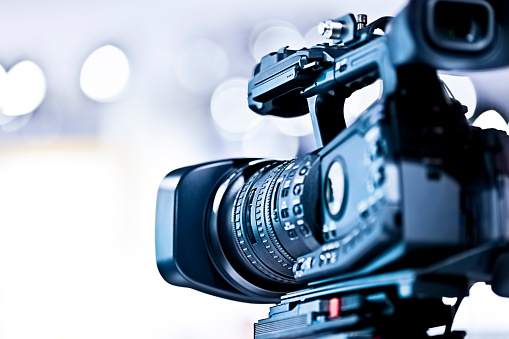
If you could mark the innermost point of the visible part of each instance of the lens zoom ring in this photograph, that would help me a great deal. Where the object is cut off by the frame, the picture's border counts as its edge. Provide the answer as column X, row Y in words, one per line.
column 274, row 248
column 242, row 242
column 268, row 217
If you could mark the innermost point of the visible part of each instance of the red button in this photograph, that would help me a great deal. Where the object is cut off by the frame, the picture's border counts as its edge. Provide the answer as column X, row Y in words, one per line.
column 334, row 306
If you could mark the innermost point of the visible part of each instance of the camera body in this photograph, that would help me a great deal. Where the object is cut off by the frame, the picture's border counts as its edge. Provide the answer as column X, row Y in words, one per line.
column 410, row 186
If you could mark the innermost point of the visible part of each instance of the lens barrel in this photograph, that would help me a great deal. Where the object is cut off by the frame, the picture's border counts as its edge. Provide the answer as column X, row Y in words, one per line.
column 265, row 221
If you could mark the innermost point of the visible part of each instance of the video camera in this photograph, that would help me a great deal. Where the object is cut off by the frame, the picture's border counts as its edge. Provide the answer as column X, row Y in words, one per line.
column 365, row 235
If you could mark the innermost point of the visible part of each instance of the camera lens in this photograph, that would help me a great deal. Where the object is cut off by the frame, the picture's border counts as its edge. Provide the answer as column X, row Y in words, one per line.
column 335, row 188
column 267, row 219
column 461, row 26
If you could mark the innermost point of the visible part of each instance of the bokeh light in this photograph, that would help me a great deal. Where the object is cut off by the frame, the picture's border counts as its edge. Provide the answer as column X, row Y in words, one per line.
column 298, row 126
column 230, row 109
column 449, row 301
column 105, row 74
column 269, row 142
column 313, row 37
column 272, row 35
column 461, row 87
column 360, row 100
column 201, row 65
column 491, row 119
column 22, row 88
column 463, row 90
column 483, row 313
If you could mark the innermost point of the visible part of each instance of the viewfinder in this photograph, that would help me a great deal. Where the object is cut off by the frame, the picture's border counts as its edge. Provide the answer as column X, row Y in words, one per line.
column 466, row 26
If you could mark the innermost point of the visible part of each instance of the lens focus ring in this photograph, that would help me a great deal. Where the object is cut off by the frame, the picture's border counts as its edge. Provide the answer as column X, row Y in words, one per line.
column 274, row 218
column 248, row 237
column 270, row 201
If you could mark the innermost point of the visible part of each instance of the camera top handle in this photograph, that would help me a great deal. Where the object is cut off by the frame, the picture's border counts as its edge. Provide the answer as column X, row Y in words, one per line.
column 326, row 74
column 437, row 34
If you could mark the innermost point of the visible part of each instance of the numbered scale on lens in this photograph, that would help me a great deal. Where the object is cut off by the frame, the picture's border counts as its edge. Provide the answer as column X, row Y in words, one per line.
column 360, row 202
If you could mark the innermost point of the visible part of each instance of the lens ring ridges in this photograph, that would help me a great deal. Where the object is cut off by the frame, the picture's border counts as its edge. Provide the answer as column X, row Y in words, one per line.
column 268, row 216
column 240, row 237
column 278, row 252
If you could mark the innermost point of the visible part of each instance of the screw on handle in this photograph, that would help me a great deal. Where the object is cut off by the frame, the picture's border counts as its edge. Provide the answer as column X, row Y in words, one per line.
column 362, row 21
column 331, row 29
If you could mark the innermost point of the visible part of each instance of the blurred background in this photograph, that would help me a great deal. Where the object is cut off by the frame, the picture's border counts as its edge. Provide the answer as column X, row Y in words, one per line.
column 99, row 100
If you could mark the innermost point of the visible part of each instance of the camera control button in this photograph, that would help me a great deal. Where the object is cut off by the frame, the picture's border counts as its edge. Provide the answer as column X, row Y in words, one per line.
column 298, row 210
column 304, row 230
column 308, row 263
column 303, row 171
column 379, row 148
column 334, row 257
column 285, row 192
column 323, row 260
column 297, row 189
column 292, row 234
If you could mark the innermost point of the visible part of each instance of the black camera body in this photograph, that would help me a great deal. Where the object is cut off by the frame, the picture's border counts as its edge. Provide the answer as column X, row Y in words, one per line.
column 410, row 202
